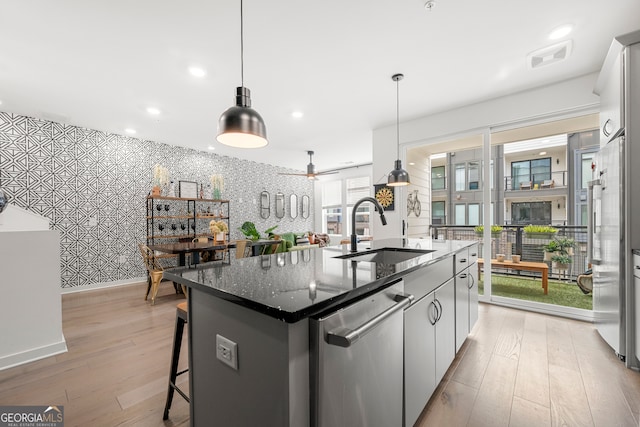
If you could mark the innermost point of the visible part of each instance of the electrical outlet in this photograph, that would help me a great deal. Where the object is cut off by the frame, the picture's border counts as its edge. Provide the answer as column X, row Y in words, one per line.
column 227, row 351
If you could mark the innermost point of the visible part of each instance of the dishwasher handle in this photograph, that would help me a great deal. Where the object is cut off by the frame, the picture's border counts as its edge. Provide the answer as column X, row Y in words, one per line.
column 345, row 337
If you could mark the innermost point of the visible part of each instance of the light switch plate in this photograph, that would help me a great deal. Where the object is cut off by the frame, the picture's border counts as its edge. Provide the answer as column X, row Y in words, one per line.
column 227, row 351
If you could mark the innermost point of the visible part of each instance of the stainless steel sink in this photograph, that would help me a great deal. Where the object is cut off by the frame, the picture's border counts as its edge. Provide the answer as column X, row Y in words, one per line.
column 386, row 255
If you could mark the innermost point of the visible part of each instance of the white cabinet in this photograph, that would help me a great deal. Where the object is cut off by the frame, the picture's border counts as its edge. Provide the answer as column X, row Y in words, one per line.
column 466, row 286
column 429, row 347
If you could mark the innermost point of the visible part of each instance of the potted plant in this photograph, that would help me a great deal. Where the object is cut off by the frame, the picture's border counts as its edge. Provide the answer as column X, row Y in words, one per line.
column 218, row 229
column 550, row 249
column 496, row 230
column 566, row 244
column 540, row 231
column 561, row 261
column 248, row 228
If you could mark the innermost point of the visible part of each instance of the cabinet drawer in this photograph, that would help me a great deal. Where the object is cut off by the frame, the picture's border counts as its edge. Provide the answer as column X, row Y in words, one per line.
column 473, row 254
column 462, row 260
column 424, row 280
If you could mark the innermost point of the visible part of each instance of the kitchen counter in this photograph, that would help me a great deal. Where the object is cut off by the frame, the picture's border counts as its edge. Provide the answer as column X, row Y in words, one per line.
column 291, row 286
column 251, row 324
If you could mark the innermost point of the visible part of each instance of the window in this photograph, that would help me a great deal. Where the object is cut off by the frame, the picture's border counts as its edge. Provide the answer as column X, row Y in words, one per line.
column 531, row 213
column 357, row 188
column 338, row 197
column 474, row 214
column 437, row 178
column 527, row 173
column 438, row 213
column 461, row 183
column 585, row 169
column 461, row 214
column 332, row 207
column 474, row 175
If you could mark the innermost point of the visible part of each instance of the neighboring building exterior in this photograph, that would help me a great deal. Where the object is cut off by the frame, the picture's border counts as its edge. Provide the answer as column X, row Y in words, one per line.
column 542, row 181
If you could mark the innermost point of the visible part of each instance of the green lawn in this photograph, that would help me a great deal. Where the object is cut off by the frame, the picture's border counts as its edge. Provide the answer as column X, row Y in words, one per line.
column 560, row 293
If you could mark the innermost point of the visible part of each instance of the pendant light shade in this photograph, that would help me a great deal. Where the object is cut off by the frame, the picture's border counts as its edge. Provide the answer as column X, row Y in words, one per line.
column 398, row 176
column 241, row 126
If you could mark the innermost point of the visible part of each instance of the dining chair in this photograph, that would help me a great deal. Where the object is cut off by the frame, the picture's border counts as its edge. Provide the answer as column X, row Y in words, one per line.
column 155, row 270
column 243, row 248
column 271, row 248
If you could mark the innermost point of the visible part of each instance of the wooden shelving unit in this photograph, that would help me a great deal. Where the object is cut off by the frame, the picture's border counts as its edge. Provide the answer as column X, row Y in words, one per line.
column 175, row 218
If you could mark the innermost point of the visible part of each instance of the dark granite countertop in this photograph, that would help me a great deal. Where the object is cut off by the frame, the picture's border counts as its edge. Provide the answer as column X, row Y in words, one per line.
column 291, row 286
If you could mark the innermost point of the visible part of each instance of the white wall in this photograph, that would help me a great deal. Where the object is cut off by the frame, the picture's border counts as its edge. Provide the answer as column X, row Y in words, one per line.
column 14, row 218
column 31, row 314
column 564, row 99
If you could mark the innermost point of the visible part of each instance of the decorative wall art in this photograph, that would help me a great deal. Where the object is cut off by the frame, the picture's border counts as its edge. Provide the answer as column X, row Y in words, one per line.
column 385, row 196
column 188, row 189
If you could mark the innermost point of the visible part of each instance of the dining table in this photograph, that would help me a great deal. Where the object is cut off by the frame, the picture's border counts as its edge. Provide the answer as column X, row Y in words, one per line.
column 183, row 248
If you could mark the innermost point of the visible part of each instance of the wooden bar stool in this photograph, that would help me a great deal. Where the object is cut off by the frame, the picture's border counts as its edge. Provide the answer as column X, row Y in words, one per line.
column 181, row 320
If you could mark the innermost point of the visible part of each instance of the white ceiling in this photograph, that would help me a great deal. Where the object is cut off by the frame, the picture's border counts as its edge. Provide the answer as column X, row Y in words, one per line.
column 101, row 63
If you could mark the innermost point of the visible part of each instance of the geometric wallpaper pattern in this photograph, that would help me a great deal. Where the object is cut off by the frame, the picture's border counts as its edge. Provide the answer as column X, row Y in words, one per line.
column 93, row 185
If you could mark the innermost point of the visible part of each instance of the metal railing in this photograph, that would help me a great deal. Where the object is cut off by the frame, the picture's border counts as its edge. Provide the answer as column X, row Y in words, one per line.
column 514, row 241
column 536, row 182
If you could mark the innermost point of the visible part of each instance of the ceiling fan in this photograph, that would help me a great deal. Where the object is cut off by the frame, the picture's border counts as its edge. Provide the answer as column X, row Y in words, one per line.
column 311, row 169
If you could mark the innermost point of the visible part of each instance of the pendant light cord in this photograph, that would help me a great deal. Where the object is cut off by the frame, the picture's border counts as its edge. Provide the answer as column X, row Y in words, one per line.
column 241, row 46
column 398, row 117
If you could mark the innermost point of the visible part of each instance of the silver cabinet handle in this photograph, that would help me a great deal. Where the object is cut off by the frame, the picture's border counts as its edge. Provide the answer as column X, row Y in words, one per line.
column 439, row 310
column 463, row 276
column 345, row 337
column 463, row 260
column 435, row 313
column 472, row 281
column 474, row 254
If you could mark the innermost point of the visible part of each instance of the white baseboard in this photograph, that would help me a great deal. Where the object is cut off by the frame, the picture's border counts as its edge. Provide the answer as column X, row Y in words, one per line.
column 31, row 355
column 103, row 285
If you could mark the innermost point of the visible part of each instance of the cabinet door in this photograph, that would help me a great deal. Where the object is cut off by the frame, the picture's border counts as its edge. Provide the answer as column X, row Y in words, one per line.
column 445, row 328
column 419, row 357
column 473, row 295
column 462, row 307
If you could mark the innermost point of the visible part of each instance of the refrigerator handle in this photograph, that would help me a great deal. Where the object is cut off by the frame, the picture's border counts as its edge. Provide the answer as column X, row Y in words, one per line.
column 591, row 221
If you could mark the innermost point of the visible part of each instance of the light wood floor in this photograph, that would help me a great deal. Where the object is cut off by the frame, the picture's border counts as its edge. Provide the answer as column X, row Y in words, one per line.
column 516, row 368
column 527, row 369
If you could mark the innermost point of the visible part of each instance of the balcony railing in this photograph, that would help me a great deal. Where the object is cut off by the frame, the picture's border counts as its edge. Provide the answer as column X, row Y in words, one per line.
column 536, row 181
column 513, row 240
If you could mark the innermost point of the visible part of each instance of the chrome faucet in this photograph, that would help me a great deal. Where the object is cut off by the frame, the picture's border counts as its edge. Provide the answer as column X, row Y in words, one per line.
column 354, row 239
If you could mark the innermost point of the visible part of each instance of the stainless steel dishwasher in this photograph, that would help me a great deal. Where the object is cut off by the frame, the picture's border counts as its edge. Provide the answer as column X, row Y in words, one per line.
column 357, row 362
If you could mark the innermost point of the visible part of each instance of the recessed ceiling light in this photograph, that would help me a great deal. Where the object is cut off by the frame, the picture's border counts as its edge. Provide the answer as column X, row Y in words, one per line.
column 211, row 147
column 560, row 32
column 412, row 163
column 297, row 114
column 542, row 153
column 153, row 111
column 130, row 131
column 197, row 72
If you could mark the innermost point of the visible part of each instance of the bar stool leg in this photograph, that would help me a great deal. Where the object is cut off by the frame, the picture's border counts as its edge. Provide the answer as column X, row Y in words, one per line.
column 175, row 357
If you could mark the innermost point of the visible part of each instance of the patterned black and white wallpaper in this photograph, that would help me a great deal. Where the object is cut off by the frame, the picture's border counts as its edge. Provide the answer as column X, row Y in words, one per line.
column 93, row 185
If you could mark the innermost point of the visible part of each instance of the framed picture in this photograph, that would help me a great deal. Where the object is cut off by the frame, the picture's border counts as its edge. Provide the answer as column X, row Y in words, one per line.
column 188, row 189
column 385, row 196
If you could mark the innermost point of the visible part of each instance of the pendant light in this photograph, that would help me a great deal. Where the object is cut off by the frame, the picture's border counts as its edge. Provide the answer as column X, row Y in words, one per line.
column 398, row 176
column 241, row 126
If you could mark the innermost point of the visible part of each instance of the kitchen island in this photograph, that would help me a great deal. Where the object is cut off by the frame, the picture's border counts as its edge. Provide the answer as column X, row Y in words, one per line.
column 251, row 320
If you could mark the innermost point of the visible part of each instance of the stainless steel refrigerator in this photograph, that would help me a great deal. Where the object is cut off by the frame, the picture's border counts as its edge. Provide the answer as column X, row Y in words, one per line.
column 614, row 199
column 606, row 244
